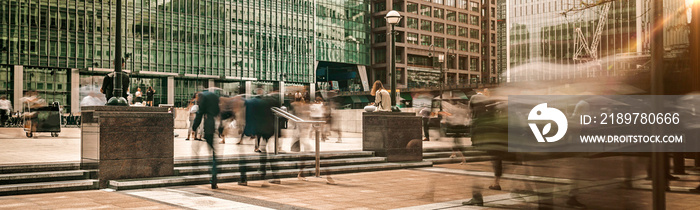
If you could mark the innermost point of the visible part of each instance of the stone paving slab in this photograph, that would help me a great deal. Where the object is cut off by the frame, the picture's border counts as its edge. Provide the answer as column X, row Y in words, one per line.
column 406, row 188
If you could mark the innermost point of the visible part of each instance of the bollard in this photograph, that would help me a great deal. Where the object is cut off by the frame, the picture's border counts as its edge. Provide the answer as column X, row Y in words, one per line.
column 318, row 150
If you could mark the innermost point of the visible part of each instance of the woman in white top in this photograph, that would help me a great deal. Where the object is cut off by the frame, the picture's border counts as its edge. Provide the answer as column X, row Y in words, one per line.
column 138, row 95
column 382, row 99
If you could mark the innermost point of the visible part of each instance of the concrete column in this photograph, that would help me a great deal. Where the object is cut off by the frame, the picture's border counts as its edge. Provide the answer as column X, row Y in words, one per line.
column 75, row 91
column 19, row 87
column 171, row 90
column 248, row 87
column 282, row 89
column 312, row 91
column 211, row 83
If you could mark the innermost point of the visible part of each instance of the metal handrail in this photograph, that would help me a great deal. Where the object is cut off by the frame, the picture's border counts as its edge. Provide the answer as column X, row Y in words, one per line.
column 283, row 113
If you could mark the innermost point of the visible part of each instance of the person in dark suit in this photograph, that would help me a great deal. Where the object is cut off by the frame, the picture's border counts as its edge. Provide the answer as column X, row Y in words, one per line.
column 208, row 109
column 260, row 122
column 108, row 85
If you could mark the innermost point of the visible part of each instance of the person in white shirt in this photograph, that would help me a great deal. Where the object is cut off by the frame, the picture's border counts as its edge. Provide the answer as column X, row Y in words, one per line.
column 138, row 95
column 5, row 110
column 382, row 99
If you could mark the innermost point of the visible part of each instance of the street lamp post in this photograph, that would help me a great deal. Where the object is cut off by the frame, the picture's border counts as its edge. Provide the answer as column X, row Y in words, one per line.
column 117, row 98
column 393, row 17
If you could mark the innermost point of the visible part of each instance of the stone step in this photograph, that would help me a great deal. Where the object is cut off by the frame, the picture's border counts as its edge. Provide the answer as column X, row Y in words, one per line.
column 43, row 187
column 280, row 157
column 468, row 159
column 429, row 155
column 254, row 175
column 189, row 170
column 447, row 149
column 15, row 178
column 7, row 169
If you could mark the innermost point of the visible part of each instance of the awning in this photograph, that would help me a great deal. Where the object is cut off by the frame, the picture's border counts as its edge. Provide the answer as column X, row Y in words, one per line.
column 406, row 96
column 363, row 99
column 356, row 99
column 459, row 95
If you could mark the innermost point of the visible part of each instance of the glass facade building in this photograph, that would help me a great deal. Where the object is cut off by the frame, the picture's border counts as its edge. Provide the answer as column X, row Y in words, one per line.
column 541, row 41
column 185, row 42
column 343, row 31
column 342, row 43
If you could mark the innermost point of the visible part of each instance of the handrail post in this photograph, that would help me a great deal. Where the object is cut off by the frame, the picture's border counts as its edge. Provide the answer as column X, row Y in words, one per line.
column 318, row 154
column 277, row 129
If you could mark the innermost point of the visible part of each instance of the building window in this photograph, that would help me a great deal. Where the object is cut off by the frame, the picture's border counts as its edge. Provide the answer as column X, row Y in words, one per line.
column 493, row 25
column 493, row 51
column 450, row 3
column 412, row 8
column 493, row 66
column 463, row 18
column 418, row 60
column 379, row 22
column 462, row 4
column 437, row 1
column 380, row 55
column 412, row 23
column 493, row 12
column 451, row 44
column 463, row 32
column 425, row 40
column 412, row 38
column 474, row 20
column 493, row 38
column 473, row 64
column 379, row 6
column 439, row 13
column 473, row 33
column 474, row 47
column 452, row 30
column 425, row 25
column 463, row 45
column 474, row 6
column 451, row 15
column 425, row 10
column 439, row 28
column 380, row 37
column 440, row 42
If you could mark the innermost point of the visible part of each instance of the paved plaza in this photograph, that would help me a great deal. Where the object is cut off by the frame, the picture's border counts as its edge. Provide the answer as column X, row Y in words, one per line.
column 443, row 186
column 42, row 148
column 439, row 187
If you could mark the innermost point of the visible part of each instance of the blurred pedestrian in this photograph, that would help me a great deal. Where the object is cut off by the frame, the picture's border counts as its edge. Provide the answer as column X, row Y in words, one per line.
column 138, row 96
column 193, row 108
column 301, row 110
column 298, row 96
column 5, row 110
column 208, row 103
column 260, row 122
column 108, row 85
column 149, row 96
column 382, row 99
column 426, row 113
column 332, row 123
column 316, row 112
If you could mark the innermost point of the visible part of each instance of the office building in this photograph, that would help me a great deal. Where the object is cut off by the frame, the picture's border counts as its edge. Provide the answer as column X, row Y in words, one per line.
column 62, row 49
column 463, row 31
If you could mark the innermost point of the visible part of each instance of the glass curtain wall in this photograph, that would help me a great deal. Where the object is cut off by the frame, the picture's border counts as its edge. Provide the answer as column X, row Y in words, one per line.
column 6, row 81
column 244, row 38
column 51, row 84
column 542, row 40
column 343, row 31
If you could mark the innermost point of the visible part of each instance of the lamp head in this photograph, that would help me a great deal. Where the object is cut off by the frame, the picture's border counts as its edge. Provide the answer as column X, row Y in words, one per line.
column 441, row 58
column 393, row 17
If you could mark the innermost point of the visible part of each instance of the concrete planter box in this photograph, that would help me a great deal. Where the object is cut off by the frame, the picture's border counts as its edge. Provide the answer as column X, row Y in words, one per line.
column 394, row 135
